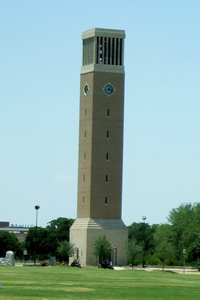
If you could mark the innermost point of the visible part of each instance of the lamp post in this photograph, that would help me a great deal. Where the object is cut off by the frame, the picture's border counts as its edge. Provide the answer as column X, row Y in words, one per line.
column 184, row 253
column 143, row 218
column 36, row 208
column 114, row 250
column 95, row 255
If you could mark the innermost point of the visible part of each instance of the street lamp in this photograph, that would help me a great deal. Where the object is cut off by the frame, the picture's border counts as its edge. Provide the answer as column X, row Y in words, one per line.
column 184, row 253
column 36, row 208
column 95, row 254
column 114, row 250
column 143, row 218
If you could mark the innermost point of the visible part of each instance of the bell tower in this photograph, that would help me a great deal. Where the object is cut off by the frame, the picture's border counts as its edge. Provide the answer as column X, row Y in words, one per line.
column 99, row 200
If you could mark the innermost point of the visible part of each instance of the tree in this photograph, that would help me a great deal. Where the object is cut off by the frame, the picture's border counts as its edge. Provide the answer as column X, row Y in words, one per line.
column 44, row 242
column 41, row 242
column 164, row 249
column 143, row 233
column 66, row 250
column 61, row 227
column 102, row 247
column 133, row 251
column 193, row 252
column 185, row 223
column 9, row 241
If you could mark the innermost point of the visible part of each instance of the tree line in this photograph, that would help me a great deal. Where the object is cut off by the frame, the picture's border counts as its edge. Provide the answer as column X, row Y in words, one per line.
column 155, row 244
column 41, row 243
column 170, row 243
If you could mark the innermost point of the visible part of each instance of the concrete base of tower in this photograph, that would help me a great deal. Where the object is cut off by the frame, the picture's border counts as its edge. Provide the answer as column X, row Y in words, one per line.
column 84, row 232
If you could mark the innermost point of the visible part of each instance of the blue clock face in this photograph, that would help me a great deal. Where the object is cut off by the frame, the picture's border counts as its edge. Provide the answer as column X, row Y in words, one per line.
column 86, row 89
column 108, row 89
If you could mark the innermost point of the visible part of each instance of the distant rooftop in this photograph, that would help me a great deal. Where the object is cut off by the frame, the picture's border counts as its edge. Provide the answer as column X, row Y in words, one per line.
column 6, row 224
column 19, row 230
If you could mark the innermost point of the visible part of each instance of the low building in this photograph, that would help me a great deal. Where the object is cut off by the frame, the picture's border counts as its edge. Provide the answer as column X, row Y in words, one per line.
column 19, row 230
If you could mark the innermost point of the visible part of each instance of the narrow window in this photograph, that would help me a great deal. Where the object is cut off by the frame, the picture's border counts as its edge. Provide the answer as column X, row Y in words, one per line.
column 85, row 113
column 83, row 200
column 107, row 156
column 106, row 178
column 105, row 51
column 108, row 112
column 83, row 178
column 121, row 52
column 85, row 135
column 98, row 50
column 106, row 200
column 117, row 49
column 101, row 51
column 113, row 51
column 107, row 134
column 108, row 51
column 84, row 156
column 77, row 253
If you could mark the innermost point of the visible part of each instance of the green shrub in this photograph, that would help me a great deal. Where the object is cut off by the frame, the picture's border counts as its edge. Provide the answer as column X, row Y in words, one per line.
column 152, row 260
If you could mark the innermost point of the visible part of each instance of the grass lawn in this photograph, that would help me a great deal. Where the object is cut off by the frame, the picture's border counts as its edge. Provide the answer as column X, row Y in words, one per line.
column 66, row 283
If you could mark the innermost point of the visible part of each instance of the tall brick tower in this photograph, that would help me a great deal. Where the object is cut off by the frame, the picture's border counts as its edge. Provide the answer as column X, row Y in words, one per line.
column 99, row 201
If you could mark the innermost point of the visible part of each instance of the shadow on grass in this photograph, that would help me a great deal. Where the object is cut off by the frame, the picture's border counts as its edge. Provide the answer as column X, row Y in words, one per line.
column 164, row 271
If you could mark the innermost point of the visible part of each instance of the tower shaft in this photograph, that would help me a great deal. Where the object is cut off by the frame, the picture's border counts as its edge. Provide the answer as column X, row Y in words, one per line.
column 100, row 147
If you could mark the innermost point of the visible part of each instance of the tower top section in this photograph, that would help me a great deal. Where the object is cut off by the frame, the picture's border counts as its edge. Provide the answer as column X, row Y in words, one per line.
column 103, row 50
column 115, row 33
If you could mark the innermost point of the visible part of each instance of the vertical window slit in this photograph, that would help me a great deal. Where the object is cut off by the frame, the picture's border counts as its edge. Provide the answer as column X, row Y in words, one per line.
column 101, row 51
column 77, row 253
column 120, row 52
column 106, row 200
column 83, row 200
column 97, row 50
column 84, row 156
column 105, row 51
column 106, row 178
column 108, row 112
column 117, row 41
column 107, row 134
column 108, row 51
column 85, row 135
column 113, row 51
column 107, row 156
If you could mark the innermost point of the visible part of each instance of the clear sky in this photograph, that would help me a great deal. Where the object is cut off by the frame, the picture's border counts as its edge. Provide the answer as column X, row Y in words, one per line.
column 40, row 62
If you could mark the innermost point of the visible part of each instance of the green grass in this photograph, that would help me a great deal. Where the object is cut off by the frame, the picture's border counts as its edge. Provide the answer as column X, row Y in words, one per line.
column 66, row 283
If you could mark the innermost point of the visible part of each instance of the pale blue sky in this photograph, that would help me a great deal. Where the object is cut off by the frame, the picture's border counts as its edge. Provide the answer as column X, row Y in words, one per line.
column 40, row 59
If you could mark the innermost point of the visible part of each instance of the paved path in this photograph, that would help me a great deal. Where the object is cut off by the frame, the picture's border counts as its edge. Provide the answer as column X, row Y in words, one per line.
column 177, row 270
